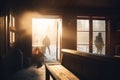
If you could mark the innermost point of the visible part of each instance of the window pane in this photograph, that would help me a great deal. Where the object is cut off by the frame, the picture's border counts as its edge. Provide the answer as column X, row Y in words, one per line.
column 82, row 25
column 82, row 37
column 99, row 36
column 98, row 25
column 84, row 48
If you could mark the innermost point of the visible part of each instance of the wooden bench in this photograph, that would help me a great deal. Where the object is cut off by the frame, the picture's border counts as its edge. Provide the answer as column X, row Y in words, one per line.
column 85, row 66
column 88, row 66
column 58, row 72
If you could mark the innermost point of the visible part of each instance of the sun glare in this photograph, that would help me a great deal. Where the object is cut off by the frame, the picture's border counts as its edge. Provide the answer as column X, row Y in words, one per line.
column 50, row 27
column 42, row 27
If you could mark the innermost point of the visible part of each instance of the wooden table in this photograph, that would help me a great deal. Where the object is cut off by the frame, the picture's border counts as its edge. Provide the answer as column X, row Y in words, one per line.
column 59, row 72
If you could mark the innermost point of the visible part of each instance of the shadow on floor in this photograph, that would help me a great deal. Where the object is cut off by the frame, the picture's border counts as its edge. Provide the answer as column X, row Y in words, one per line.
column 30, row 73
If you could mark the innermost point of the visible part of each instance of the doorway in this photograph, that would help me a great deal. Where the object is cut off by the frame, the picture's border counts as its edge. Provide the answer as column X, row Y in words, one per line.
column 50, row 27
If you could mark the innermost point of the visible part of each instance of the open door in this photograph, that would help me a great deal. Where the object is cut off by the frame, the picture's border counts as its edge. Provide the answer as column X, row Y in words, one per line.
column 46, row 37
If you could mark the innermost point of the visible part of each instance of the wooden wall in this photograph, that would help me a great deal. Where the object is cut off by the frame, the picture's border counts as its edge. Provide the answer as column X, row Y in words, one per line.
column 69, row 29
column 69, row 32
column 23, row 34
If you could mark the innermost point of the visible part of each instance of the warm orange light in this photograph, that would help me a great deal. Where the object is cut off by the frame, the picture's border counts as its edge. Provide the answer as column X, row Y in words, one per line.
column 42, row 26
column 45, row 26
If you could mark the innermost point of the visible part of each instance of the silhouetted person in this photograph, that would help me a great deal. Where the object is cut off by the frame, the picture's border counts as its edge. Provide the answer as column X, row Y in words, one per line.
column 46, row 43
column 99, row 43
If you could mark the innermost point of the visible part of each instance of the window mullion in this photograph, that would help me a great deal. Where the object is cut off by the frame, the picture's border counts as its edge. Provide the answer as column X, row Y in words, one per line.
column 90, row 35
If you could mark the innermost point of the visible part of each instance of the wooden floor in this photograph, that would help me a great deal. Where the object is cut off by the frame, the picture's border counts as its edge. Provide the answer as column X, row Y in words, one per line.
column 30, row 73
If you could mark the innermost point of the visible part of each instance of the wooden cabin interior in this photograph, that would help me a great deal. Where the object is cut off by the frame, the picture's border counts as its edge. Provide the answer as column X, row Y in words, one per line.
column 71, row 27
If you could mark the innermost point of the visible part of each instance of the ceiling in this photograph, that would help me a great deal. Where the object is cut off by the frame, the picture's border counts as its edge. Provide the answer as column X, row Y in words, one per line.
column 61, row 4
column 65, row 3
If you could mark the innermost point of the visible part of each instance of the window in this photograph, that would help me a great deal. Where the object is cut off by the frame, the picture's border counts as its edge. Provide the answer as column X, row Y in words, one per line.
column 12, row 29
column 87, row 31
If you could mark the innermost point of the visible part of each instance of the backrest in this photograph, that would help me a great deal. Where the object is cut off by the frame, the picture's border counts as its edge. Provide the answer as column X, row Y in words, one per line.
column 88, row 66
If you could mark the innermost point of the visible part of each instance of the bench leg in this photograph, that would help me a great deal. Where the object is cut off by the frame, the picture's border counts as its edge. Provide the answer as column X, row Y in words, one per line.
column 47, row 74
